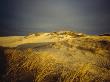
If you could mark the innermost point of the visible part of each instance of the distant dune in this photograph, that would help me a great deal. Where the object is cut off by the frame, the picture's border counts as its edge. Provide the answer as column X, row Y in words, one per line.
column 62, row 56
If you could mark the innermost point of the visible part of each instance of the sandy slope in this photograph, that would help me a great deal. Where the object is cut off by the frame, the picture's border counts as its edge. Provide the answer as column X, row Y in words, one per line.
column 13, row 41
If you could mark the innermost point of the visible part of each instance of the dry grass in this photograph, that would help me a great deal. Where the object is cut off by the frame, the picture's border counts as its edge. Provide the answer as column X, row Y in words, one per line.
column 29, row 65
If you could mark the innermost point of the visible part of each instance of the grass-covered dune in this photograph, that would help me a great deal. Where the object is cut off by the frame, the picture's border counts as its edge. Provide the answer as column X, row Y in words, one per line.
column 57, row 57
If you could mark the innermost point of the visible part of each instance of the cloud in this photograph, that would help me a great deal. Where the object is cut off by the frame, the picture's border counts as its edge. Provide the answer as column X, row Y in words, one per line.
column 49, row 15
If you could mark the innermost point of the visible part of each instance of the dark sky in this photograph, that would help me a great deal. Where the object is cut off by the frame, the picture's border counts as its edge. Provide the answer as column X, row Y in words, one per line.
column 20, row 17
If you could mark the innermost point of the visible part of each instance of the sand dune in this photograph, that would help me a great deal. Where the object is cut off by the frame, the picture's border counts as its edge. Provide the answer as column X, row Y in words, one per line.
column 63, row 56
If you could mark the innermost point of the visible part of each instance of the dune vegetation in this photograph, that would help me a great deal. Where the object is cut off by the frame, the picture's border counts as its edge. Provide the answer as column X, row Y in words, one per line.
column 56, row 57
